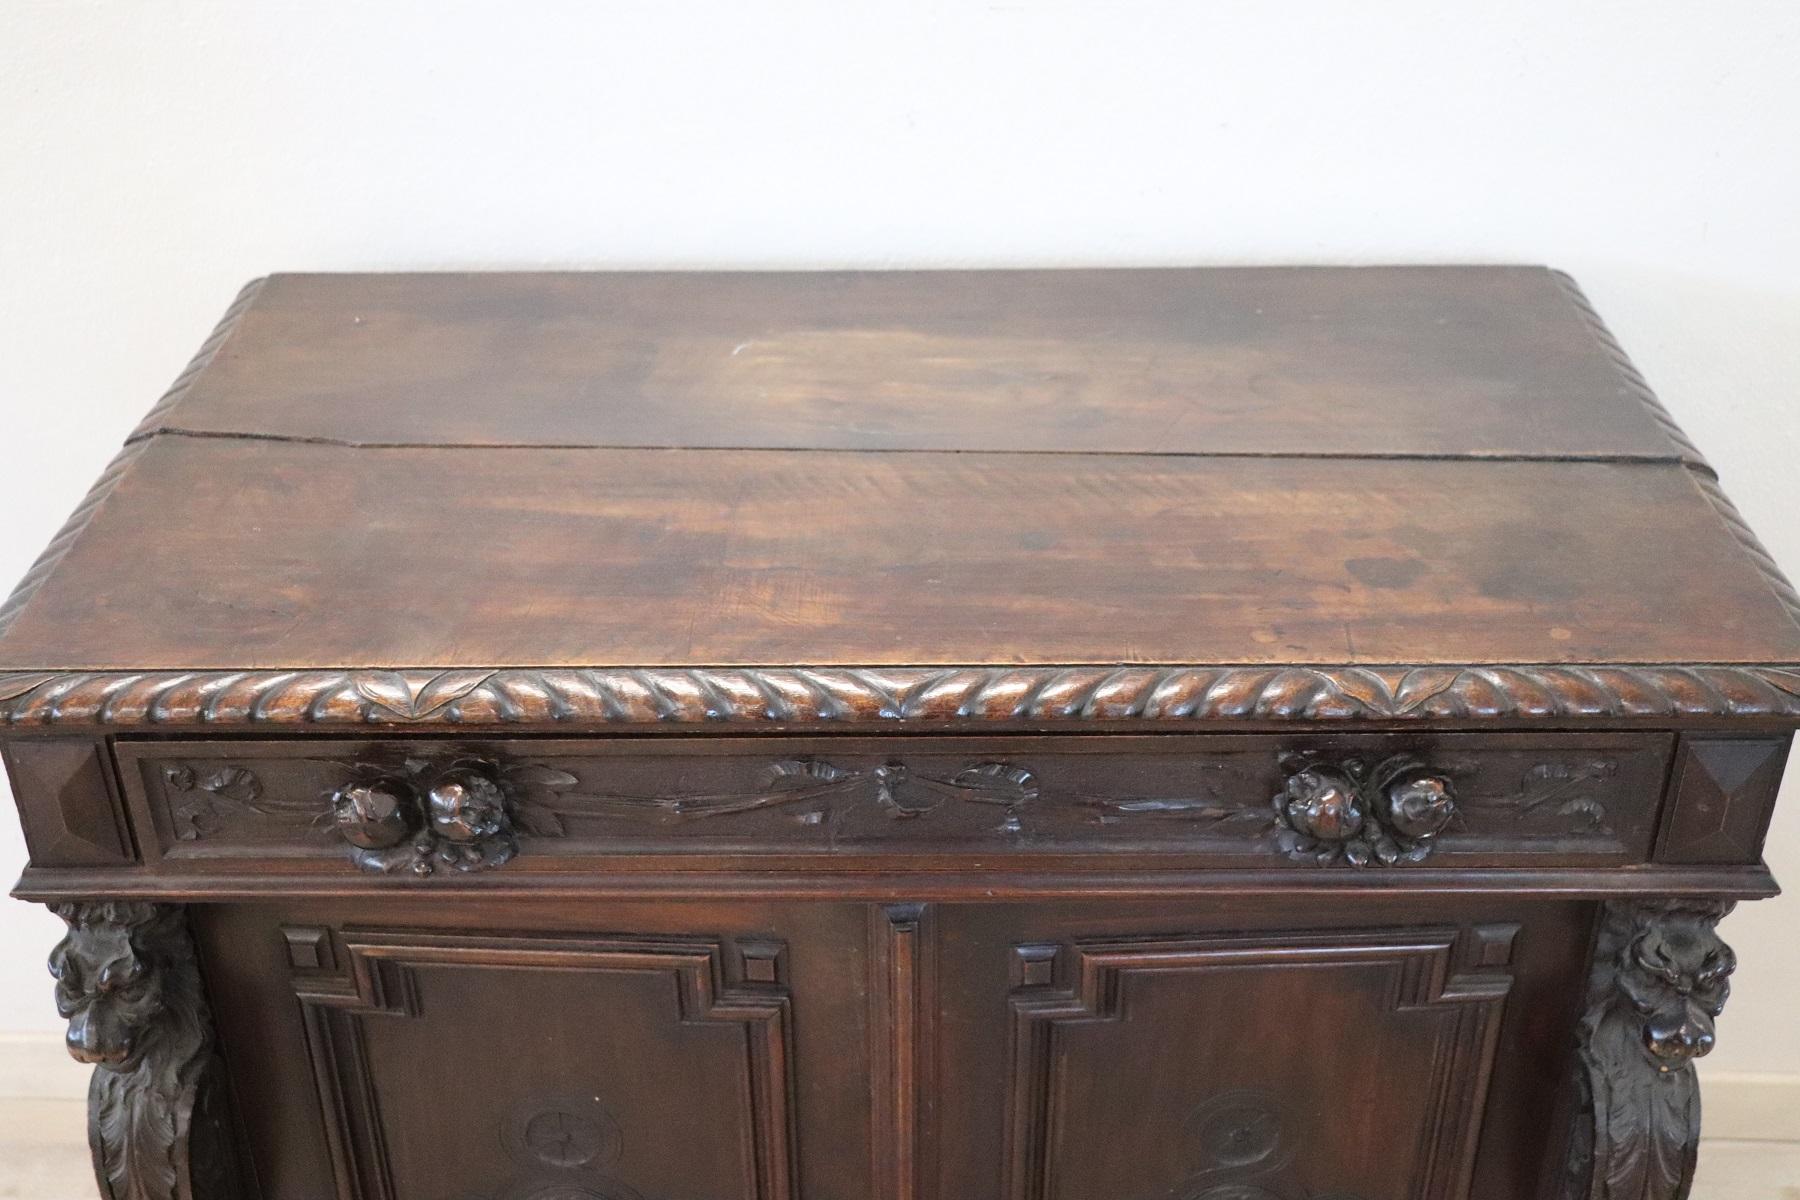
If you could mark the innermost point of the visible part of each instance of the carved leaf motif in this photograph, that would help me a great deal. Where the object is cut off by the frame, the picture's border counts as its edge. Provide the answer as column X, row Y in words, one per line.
column 799, row 773
column 1558, row 787
column 1421, row 686
column 1368, row 689
column 1189, row 810
column 233, row 783
column 143, row 1107
column 537, row 775
column 14, row 686
column 1652, row 1126
column 386, row 689
column 996, row 783
column 1655, row 963
column 446, row 689
column 537, row 820
column 791, row 781
column 535, row 790
column 205, row 791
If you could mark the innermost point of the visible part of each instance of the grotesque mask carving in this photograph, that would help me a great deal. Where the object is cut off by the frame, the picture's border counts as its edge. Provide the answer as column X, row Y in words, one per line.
column 127, row 981
column 106, row 989
column 1677, row 978
column 1661, row 975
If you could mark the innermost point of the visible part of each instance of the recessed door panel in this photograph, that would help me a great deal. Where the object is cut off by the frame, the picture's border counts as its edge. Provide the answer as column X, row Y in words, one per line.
column 516, row 1067
column 1225, row 1051
column 1247, row 1064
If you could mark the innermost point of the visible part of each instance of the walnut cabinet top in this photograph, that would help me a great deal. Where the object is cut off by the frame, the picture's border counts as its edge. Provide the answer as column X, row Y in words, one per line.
column 867, row 498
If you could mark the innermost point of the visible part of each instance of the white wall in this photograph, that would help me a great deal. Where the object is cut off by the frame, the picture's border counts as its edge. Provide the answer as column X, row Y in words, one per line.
column 155, row 155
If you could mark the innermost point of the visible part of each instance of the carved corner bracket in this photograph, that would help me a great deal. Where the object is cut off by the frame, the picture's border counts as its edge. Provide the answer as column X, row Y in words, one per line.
column 1661, row 975
column 128, row 983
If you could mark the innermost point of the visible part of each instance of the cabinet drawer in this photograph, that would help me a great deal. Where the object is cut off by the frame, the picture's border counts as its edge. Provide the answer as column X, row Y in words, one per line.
column 1239, row 801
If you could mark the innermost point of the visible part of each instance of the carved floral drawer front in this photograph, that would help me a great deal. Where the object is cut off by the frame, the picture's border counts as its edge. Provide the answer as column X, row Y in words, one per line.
column 441, row 807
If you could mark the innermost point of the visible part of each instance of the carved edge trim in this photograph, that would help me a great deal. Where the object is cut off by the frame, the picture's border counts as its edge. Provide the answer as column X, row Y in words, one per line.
column 1740, row 528
column 1706, row 478
column 879, row 695
column 65, row 537
column 1634, row 378
column 209, row 349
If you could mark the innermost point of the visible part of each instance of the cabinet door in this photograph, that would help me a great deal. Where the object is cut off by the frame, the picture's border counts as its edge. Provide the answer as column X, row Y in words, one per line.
column 1342, row 1053
column 674, row 1058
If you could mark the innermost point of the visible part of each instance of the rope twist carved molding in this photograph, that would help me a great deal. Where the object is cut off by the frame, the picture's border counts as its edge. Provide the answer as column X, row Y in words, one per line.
column 1705, row 478
column 681, row 696
column 1633, row 378
column 209, row 350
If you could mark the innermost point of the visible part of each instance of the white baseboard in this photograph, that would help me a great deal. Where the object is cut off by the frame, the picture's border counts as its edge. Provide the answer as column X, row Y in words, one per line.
column 36, row 1066
column 1752, row 1108
column 1739, row 1107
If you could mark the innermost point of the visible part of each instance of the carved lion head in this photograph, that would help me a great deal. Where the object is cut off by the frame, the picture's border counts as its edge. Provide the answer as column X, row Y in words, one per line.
column 106, row 986
column 1677, row 976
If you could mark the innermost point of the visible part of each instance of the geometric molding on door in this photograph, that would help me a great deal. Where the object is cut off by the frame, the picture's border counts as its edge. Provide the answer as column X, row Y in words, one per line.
column 1461, row 975
column 904, row 1013
column 378, row 980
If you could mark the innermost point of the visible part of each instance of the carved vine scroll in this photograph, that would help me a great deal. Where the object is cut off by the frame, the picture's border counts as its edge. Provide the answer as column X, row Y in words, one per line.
column 1661, row 975
column 128, row 982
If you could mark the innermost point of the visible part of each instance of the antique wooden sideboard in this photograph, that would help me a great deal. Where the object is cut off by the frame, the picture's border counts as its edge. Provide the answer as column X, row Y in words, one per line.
column 1280, row 734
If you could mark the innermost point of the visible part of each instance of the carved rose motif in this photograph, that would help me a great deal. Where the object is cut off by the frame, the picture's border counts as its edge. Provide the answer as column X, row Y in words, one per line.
column 466, row 805
column 1352, row 812
column 376, row 815
column 1418, row 805
column 1322, row 805
column 462, row 822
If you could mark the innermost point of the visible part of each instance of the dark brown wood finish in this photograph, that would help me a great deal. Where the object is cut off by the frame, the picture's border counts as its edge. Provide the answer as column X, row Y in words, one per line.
column 460, row 558
column 1208, row 735
column 1381, row 361
column 1524, row 799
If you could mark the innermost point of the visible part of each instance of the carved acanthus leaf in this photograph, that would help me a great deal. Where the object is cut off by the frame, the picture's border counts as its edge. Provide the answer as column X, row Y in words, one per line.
column 129, row 986
column 1661, row 975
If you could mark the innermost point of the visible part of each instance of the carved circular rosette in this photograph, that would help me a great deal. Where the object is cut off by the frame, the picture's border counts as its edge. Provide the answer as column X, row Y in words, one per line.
column 1350, row 811
column 424, row 817
column 1236, row 1131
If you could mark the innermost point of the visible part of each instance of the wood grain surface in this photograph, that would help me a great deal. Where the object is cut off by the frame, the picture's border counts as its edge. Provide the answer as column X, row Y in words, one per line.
column 1377, row 360
column 249, row 554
